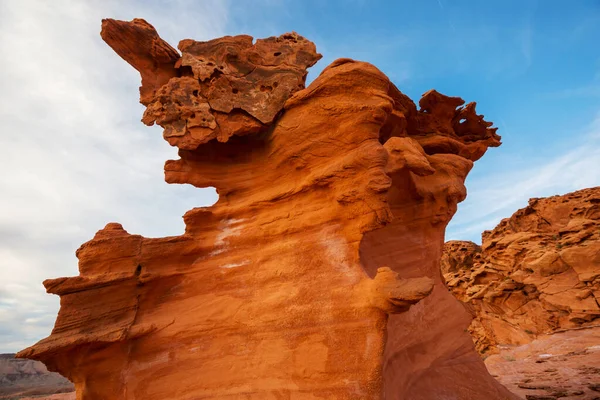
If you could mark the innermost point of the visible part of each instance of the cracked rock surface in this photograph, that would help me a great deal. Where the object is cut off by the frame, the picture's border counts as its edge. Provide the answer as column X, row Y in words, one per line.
column 537, row 272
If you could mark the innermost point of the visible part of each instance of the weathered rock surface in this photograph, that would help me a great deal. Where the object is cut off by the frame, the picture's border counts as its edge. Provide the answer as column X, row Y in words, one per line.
column 21, row 378
column 563, row 365
column 298, row 283
column 537, row 272
column 215, row 89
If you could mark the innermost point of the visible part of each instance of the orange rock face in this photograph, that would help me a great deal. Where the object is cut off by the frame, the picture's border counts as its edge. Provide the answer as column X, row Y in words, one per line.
column 537, row 272
column 298, row 283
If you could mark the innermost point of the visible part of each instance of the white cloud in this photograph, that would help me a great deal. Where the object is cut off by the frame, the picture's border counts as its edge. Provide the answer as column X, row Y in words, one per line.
column 590, row 90
column 494, row 197
column 526, row 41
column 73, row 153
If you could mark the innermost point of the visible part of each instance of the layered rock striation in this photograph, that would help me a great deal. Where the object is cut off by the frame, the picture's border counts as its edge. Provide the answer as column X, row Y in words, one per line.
column 301, row 281
column 537, row 272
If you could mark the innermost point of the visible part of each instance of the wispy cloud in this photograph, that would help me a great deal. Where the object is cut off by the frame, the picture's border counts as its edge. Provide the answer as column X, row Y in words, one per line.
column 526, row 44
column 73, row 153
column 590, row 90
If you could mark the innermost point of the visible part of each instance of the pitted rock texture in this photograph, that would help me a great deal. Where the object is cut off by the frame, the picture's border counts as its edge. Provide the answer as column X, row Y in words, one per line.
column 300, row 282
column 216, row 89
column 537, row 272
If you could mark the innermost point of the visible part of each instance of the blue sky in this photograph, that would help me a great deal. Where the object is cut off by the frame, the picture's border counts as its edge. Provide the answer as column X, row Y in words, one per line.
column 533, row 67
column 75, row 155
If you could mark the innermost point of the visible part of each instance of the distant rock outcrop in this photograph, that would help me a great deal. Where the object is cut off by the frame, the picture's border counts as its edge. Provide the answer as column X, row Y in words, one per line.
column 22, row 378
column 537, row 272
column 298, row 283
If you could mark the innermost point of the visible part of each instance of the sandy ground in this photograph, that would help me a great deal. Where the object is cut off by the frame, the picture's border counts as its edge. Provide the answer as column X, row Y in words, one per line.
column 563, row 365
column 60, row 396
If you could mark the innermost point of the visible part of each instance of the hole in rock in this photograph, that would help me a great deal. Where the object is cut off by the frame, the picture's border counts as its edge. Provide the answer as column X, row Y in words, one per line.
column 275, row 84
column 234, row 91
column 193, row 116
column 276, row 54
column 290, row 37
column 462, row 120
column 138, row 270
column 185, row 70
column 195, row 93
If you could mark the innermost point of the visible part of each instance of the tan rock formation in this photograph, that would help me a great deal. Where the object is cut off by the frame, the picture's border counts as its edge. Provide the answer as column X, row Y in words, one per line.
column 333, row 202
column 536, row 272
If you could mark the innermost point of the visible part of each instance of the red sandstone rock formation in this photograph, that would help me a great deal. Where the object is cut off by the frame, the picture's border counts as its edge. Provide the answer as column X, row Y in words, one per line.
column 333, row 200
column 536, row 272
